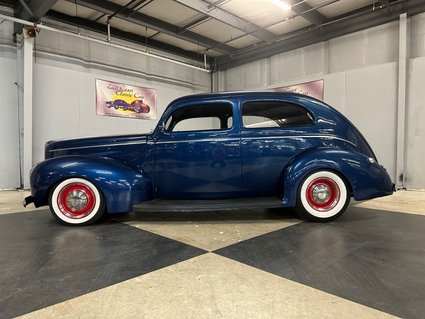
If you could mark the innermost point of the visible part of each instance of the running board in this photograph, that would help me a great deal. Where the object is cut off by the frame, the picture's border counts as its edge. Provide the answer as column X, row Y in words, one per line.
column 200, row 205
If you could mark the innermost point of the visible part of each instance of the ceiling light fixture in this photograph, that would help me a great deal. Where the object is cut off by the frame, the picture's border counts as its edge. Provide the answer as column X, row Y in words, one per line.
column 284, row 5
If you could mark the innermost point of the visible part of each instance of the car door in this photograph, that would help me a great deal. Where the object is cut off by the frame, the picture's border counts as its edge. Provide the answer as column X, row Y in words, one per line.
column 272, row 132
column 197, row 152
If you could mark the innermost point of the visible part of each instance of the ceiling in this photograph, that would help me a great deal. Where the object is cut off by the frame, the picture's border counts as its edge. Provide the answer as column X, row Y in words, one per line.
column 227, row 32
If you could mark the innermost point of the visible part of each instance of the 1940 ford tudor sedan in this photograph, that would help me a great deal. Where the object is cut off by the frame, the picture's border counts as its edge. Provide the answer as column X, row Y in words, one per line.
column 266, row 149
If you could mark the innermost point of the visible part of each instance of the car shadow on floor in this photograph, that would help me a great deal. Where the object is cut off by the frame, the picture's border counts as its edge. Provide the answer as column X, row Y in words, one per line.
column 228, row 216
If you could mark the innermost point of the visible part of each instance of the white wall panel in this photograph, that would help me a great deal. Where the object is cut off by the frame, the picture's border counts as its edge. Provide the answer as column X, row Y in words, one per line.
column 360, row 80
column 9, row 130
column 346, row 53
column 417, row 36
column 65, row 69
column 314, row 59
column 377, row 45
column 276, row 70
column 64, row 103
column 415, row 126
column 371, row 104
column 235, row 79
column 334, row 91
column 91, row 53
column 286, row 66
column 256, row 74
column 382, row 44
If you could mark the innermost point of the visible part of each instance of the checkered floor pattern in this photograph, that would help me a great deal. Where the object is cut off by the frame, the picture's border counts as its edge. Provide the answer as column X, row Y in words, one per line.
column 251, row 263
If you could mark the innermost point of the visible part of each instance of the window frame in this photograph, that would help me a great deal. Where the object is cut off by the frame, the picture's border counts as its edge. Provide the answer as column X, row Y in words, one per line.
column 307, row 110
column 200, row 105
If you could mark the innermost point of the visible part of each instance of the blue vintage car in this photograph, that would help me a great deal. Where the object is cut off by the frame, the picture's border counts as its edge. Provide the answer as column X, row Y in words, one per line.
column 262, row 148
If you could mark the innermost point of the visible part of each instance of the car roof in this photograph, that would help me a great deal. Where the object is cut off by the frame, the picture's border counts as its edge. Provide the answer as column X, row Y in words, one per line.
column 316, row 106
column 240, row 94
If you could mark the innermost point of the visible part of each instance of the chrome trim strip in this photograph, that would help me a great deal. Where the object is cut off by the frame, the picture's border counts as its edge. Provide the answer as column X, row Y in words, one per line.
column 210, row 140
column 202, row 140
column 330, row 137
column 96, row 146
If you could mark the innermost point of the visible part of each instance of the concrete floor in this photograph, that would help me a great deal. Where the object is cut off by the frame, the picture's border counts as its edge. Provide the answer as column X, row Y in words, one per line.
column 244, row 264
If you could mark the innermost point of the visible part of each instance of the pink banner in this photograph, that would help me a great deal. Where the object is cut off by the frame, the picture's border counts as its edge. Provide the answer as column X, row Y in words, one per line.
column 123, row 100
column 313, row 89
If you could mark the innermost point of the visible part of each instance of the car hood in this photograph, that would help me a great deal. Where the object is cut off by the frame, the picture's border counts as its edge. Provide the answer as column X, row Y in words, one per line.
column 118, row 147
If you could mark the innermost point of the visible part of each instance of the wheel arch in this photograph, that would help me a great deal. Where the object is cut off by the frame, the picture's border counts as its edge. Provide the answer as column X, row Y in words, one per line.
column 353, row 168
column 50, row 189
column 120, row 185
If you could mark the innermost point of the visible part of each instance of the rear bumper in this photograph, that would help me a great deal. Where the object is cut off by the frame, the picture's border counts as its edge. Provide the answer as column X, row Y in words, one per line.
column 28, row 200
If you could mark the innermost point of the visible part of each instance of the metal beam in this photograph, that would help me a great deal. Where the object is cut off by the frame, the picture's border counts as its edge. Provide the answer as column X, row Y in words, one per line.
column 359, row 20
column 32, row 11
column 26, row 7
column 195, row 22
column 38, row 9
column 139, row 18
column 228, row 18
column 217, row 3
column 123, row 35
column 307, row 12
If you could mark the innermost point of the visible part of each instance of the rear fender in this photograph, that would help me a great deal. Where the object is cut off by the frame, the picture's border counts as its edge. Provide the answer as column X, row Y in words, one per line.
column 365, row 177
column 120, row 185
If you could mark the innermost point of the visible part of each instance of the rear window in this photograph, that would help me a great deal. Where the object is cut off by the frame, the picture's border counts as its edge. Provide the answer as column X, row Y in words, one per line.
column 266, row 114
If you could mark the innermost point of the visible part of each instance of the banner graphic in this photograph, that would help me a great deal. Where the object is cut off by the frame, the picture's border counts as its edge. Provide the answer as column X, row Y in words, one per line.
column 123, row 100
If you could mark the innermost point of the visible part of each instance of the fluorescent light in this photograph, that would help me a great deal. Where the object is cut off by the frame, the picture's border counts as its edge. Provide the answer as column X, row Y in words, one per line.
column 284, row 5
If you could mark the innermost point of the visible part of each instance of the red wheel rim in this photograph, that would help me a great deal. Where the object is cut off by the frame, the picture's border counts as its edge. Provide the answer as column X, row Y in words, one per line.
column 323, row 194
column 76, row 200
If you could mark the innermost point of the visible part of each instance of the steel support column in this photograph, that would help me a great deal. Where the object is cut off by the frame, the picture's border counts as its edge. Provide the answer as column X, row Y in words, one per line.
column 401, row 101
column 25, row 81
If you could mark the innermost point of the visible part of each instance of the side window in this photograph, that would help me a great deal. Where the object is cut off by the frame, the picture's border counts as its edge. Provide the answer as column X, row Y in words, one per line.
column 202, row 117
column 274, row 114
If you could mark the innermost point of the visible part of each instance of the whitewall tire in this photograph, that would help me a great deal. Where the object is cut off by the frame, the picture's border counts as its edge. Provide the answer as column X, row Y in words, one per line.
column 322, row 196
column 76, row 201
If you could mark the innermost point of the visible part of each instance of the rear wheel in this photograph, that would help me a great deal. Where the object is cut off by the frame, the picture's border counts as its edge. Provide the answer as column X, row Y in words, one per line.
column 76, row 201
column 322, row 196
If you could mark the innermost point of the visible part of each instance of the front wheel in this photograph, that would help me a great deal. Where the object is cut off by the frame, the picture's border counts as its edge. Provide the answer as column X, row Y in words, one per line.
column 322, row 196
column 76, row 201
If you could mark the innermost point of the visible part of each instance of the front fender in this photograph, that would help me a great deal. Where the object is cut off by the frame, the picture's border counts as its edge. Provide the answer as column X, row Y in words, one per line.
column 120, row 185
column 366, row 178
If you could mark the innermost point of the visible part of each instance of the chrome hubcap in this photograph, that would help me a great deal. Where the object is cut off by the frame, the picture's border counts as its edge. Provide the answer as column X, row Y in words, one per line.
column 321, row 193
column 77, row 200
